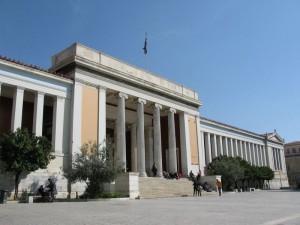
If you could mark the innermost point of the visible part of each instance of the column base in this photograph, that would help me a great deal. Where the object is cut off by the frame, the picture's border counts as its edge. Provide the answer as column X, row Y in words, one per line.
column 159, row 175
column 142, row 174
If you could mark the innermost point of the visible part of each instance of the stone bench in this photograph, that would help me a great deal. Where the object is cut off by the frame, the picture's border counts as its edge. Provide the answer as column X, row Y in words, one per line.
column 37, row 198
column 251, row 189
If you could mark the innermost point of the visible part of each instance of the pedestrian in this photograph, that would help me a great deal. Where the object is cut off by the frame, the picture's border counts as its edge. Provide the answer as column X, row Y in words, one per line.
column 219, row 186
column 51, row 187
column 197, row 188
column 191, row 176
column 154, row 169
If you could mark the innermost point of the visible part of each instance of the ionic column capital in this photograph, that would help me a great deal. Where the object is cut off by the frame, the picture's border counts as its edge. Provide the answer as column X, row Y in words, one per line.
column 142, row 101
column 122, row 95
column 157, row 106
column 172, row 110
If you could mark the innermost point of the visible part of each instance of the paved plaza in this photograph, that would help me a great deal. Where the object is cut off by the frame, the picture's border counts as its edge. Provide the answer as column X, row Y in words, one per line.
column 258, row 207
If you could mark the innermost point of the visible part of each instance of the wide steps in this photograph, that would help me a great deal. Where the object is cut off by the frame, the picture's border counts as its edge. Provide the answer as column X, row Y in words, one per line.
column 155, row 187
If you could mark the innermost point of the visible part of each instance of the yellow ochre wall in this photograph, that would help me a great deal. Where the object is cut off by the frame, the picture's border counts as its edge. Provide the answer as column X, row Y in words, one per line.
column 193, row 141
column 89, row 125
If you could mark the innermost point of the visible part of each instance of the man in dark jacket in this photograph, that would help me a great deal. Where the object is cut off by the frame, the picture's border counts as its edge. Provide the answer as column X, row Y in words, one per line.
column 51, row 187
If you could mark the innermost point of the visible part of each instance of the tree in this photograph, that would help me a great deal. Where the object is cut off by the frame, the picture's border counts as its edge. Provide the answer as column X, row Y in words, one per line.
column 23, row 152
column 94, row 165
column 229, row 168
column 266, row 173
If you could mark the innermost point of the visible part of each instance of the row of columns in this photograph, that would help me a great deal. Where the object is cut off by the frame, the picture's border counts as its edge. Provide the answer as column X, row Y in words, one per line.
column 277, row 156
column 216, row 145
column 37, row 126
column 138, row 137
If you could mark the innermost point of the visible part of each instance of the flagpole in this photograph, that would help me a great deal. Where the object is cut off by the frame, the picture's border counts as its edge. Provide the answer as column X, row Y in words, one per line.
column 145, row 52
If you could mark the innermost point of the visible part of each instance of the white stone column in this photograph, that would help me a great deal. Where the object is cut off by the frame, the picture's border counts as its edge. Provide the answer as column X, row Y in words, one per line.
column 263, row 158
column 219, row 145
column 250, row 153
column 213, row 146
column 244, row 149
column 203, row 162
column 37, row 127
column 201, row 151
column 157, row 139
column 260, row 148
column 149, row 151
column 76, row 118
column 241, row 149
column 101, row 115
column 185, row 142
column 279, row 159
column 121, row 131
column 225, row 146
column 253, row 154
column 271, row 158
column 257, row 155
column 230, row 147
column 276, row 158
column 58, row 124
column 235, row 145
column 17, row 110
column 268, row 157
column 207, row 148
column 141, row 138
column 133, row 148
column 283, row 161
column 172, row 141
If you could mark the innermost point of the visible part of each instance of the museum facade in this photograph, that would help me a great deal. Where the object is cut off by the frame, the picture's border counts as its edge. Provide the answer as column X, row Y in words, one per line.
column 87, row 95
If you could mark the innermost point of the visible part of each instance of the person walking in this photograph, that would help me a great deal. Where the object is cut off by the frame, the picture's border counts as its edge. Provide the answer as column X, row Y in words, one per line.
column 219, row 186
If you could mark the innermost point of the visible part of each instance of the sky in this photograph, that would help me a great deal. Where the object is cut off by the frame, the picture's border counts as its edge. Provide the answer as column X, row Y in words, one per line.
column 241, row 56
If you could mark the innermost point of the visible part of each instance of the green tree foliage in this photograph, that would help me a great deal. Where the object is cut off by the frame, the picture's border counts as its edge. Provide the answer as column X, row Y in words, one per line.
column 233, row 169
column 229, row 168
column 266, row 173
column 248, row 172
column 23, row 152
column 95, row 166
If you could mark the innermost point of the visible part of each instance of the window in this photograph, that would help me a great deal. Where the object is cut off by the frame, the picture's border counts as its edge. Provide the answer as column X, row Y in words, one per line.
column 294, row 150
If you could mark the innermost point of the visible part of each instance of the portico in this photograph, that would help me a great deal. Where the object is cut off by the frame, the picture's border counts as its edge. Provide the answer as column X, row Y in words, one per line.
column 142, row 112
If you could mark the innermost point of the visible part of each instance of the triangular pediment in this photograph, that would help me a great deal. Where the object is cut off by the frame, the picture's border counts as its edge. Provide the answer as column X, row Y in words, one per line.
column 275, row 137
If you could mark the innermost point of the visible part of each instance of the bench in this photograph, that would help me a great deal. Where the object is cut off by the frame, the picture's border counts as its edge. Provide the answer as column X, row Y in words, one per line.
column 37, row 198
column 251, row 189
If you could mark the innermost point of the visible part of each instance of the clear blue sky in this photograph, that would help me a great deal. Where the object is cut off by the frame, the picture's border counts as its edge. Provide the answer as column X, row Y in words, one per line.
column 241, row 56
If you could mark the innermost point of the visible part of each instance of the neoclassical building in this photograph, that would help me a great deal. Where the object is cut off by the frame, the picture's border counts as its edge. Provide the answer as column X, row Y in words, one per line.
column 258, row 149
column 88, row 95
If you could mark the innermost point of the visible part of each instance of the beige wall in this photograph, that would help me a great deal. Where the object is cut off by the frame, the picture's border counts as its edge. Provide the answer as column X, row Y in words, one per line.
column 89, row 129
column 292, row 159
column 193, row 141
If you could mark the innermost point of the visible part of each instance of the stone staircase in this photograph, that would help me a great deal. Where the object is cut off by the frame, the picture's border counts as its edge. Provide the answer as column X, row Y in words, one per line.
column 155, row 187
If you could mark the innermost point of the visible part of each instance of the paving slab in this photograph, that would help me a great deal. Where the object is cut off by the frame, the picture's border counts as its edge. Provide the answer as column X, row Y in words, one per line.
column 258, row 207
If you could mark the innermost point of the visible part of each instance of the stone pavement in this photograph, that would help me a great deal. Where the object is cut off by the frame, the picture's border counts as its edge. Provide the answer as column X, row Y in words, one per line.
column 258, row 207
